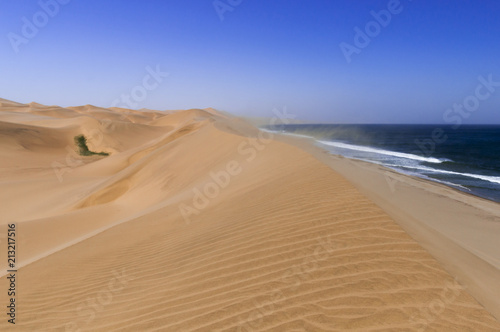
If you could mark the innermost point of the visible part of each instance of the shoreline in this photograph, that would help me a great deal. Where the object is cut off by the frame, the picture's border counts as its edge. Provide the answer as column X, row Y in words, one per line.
column 208, row 220
column 317, row 142
column 474, row 263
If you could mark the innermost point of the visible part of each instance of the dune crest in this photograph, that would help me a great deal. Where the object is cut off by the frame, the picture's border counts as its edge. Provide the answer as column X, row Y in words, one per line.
column 199, row 222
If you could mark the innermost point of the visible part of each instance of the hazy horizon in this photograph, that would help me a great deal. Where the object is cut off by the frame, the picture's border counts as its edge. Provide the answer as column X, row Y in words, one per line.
column 403, row 62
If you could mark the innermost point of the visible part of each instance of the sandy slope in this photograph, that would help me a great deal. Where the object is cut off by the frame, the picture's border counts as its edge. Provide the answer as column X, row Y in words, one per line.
column 197, row 223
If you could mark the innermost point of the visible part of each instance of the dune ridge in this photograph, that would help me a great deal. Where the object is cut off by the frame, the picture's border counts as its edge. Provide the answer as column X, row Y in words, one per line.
column 199, row 222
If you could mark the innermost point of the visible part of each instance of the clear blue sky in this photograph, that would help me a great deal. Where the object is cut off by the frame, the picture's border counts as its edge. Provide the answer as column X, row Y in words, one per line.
column 264, row 54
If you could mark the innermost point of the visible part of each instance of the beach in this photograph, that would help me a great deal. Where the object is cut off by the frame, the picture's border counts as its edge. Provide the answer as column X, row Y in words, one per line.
column 195, row 220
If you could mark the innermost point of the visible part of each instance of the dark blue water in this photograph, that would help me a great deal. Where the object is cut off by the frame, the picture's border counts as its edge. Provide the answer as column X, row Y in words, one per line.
column 465, row 157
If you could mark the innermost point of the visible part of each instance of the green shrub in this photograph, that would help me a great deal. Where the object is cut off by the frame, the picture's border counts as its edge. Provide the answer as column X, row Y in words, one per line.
column 81, row 142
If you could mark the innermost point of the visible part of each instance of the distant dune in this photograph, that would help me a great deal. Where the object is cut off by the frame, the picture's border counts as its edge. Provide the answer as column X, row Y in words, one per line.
column 197, row 221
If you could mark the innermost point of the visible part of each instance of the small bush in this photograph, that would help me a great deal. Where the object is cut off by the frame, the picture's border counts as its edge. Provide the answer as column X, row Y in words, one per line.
column 81, row 142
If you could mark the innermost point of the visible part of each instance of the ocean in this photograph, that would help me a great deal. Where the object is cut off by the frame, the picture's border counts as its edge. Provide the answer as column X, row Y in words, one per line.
column 464, row 157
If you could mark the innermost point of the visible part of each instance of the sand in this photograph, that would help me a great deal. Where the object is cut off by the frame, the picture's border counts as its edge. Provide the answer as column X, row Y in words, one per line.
column 197, row 221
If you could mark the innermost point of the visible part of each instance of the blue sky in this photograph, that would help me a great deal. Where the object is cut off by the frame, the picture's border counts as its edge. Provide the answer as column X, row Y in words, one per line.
column 262, row 55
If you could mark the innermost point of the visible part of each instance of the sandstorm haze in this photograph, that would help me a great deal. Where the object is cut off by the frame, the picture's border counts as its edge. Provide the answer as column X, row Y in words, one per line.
column 157, row 171
column 249, row 57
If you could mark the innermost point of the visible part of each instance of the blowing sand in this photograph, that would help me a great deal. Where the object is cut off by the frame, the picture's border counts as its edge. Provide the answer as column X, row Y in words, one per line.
column 199, row 222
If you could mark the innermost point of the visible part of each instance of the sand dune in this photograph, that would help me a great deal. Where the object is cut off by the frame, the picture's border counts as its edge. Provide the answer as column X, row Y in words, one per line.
column 199, row 222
